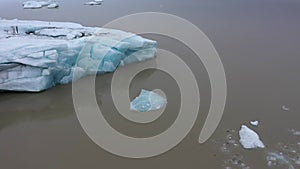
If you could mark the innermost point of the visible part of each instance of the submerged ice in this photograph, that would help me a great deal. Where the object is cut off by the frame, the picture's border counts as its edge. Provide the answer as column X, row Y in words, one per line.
column 36, row 55
column 148, row 101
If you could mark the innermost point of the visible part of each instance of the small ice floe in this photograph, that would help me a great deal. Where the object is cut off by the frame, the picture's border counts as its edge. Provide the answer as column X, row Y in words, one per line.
column 95, row 2
column 285, row 108
column 148, row 101
column 39, row 4
column 249, row 138
column 34, row 4
column 53, row 5
column 254, row 123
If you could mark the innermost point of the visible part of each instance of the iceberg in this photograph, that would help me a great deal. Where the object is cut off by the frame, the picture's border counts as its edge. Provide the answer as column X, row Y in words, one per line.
column 39, row 4
column 37, row 55
column 53, row 5
column 249, row 138
column 33, row 4
column 95, row 2
column 147, row 101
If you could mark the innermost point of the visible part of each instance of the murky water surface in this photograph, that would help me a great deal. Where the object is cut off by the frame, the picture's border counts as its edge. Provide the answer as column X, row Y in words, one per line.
column 258, row 43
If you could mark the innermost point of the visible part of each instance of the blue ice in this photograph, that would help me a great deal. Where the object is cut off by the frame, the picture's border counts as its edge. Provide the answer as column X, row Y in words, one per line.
column 148, row 101
column 37, row 55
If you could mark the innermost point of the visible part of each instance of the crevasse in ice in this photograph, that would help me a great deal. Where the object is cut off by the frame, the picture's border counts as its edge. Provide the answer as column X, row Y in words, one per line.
column 37, row 55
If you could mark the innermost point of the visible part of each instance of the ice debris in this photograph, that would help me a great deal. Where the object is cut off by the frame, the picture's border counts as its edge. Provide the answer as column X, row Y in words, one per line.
column 237, row 161
column 147, row 101
column 231, row 151
column 249, row 138
column 53, row 5
column 37, row 55
column 254, row 123
column 95, row 2
column 295, row 132
column 229, row 144
column 278, row 159
column 39, row 4
column 285, row 108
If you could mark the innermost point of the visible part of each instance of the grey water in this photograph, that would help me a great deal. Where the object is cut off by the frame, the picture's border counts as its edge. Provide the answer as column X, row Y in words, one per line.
column 258, row 43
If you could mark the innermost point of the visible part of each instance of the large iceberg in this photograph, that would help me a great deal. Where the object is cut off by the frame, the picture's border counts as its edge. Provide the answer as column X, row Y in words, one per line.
column 37, row 55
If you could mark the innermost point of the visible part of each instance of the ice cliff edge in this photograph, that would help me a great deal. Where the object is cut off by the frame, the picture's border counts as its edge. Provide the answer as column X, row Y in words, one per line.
column 37, row 55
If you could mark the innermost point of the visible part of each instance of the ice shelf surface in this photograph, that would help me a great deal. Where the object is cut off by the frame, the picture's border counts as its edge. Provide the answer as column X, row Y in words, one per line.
column 249, row 138
column 148, row 101
column 37, row 55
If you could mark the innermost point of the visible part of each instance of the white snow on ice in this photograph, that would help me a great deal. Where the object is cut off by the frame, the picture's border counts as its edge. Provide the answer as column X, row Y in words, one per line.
column 37, row 55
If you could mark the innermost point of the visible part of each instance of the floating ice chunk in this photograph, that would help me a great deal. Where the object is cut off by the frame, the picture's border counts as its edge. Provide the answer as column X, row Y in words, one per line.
column 36, row 55
column 39, row 4
column 254, row 123
column 53, row 5
column 295, row 132
column 34, row 4
column 285, row 108
column 95, row 2
column 249, row 138
column 147, row 101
